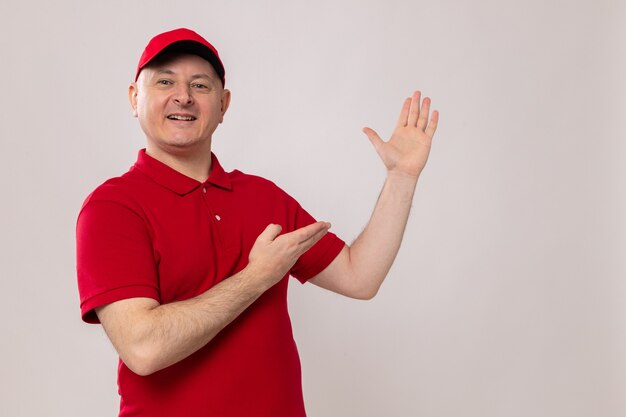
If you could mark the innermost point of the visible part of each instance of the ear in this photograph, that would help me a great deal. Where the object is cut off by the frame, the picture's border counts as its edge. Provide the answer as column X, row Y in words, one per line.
column 132, row 97
column 225, row 103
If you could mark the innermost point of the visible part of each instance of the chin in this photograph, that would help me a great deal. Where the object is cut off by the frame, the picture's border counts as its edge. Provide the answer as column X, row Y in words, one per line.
column 186, row 144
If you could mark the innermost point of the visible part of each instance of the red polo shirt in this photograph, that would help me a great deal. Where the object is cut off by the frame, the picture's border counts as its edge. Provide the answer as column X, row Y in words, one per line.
column 154, row 232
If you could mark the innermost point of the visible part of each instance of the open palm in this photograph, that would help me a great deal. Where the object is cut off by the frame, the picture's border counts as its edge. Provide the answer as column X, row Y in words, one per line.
column 407, row 150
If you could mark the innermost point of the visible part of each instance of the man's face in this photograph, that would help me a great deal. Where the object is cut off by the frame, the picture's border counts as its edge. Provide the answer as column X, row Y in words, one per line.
column 179, row 103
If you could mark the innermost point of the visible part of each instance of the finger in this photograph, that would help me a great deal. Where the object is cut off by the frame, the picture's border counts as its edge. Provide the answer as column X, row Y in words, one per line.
column 432, row 125
column 304, row 233
column 312, row 240
column 422, row 121
column 270, row 232
column 404, row 113
column 377, row 142
column 414, row 111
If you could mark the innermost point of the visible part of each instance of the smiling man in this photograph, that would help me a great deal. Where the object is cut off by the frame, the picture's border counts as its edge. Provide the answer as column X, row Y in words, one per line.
column 186, row 266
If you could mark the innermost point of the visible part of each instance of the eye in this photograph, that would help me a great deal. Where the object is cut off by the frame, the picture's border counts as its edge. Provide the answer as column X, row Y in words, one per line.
column 198, row 85
column 164, row 82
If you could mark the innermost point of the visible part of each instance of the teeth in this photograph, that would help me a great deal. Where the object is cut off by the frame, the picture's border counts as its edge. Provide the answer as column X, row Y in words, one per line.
column 177, row 117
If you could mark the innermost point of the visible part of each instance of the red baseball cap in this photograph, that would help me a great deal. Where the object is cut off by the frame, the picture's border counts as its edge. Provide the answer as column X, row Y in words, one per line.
column 181, row 40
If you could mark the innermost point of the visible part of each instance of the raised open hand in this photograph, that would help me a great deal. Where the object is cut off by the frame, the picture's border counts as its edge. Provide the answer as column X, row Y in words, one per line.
column 407, row 150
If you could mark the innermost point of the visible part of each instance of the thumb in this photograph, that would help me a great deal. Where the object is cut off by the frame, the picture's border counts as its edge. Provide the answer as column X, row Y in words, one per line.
column 373, row 137
column 270, row 232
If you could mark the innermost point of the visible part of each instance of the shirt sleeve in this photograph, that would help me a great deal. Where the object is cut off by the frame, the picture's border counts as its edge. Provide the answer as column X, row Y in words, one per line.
column 114, row 256
column 320, row 255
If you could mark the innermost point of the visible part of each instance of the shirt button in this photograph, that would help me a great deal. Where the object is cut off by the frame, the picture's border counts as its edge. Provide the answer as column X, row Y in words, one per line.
column 217, row 217
column 204, row 190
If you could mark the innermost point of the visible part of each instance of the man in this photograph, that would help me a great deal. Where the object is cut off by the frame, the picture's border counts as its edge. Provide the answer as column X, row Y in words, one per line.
column 186, row 266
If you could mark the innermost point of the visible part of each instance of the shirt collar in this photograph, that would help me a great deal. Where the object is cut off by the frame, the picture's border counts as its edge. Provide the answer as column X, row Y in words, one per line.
column 174, row 180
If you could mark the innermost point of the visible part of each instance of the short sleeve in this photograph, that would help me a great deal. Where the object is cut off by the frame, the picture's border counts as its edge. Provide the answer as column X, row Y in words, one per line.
column 114, row 256
column 320, row 255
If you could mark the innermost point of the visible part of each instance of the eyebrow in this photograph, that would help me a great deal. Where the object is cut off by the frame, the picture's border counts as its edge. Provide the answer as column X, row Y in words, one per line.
column 193, row 77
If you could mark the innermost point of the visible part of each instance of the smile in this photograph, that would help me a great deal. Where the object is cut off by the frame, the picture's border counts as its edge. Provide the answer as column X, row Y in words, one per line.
column 181, row 117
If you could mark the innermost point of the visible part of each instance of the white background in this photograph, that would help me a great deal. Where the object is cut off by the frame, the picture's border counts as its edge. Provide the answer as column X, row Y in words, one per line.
column 508, row 297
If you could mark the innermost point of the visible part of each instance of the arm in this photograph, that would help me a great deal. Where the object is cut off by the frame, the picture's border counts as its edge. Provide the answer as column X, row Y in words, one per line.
column 149, row 336
column 359, row 270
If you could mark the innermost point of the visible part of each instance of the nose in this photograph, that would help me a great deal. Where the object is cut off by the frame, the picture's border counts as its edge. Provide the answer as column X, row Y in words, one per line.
column 182, row 96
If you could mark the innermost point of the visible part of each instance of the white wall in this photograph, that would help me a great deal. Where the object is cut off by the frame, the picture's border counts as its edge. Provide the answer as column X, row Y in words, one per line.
column 508, row 297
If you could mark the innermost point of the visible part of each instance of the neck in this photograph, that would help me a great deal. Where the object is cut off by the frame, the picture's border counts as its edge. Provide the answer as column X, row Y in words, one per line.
column 196, row 164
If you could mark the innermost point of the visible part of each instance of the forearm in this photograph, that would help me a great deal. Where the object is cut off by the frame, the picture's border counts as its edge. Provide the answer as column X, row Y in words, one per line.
column 149, row 336
column 373, row 252
column 359, row 270
column 158, row 336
